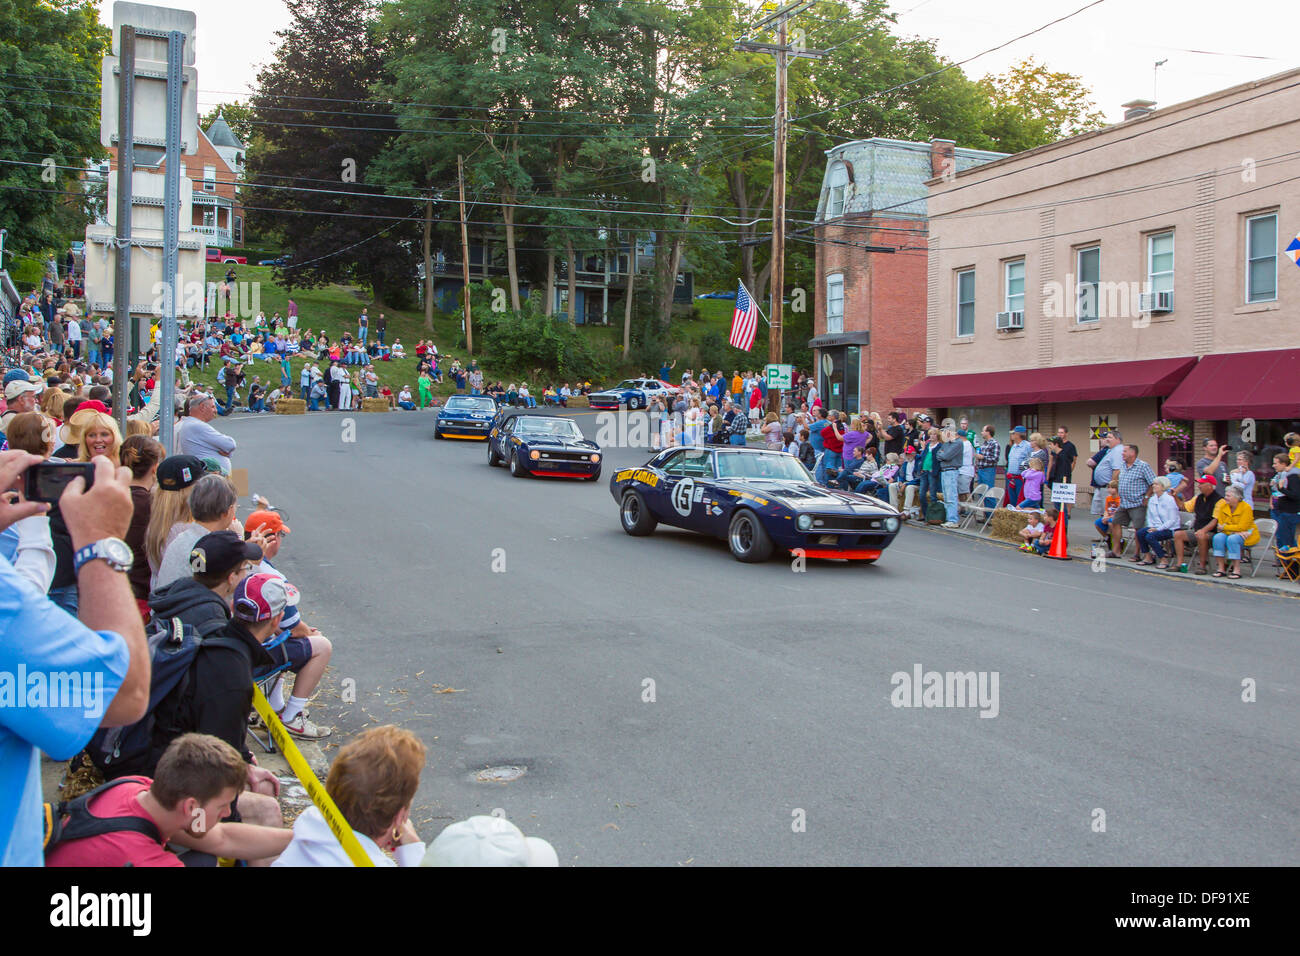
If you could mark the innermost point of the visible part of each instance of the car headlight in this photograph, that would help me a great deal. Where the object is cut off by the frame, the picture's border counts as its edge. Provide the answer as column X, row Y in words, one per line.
column 534, row 455
column 891, row 524
column 595, row 458
column 803, row 522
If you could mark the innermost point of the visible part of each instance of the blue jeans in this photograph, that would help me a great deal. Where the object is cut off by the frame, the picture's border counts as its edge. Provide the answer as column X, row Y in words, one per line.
column 361, row 334
column 948, row 479
column 986, row 476
column 1286, row 529
column 830, row 459
column 1103, row 527
column 66, row 597
column 1149, row 540
column 869, row 486
column 257, row 406
column 409, row 406
column 305, row 390
column 313, row 404
column 740, row 440
column 1232, row 542
column 926, row 490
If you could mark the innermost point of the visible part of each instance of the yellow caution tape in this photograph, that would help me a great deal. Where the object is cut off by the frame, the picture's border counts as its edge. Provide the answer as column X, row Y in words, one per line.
column 315, row 789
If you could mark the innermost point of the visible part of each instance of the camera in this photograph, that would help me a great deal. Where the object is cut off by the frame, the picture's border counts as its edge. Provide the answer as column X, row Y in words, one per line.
column 46, row 481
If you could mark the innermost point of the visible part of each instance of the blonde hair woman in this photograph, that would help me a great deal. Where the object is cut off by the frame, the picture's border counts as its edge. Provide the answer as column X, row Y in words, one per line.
column 694, row 423
column 52, row 404
column 98, row 436
column 772, row 431
column 170, row 511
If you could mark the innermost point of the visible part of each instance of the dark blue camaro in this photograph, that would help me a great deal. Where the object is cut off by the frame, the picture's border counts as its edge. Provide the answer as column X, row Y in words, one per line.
column 544, row 446
column 756, row 500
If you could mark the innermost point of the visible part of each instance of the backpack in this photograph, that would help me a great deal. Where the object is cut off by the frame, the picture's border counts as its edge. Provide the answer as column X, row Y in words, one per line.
column 173, row 646
column 935, row 513
column 72, row 820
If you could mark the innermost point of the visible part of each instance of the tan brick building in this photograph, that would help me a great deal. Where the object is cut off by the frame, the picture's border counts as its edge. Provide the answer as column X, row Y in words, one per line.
column 1135, row 273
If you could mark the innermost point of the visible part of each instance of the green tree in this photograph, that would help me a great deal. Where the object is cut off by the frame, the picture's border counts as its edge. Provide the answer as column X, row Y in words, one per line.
column 50, row 56
column 1030, row 106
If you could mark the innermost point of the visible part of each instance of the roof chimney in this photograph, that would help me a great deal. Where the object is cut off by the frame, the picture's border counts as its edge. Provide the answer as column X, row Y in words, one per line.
column 942, row 158
column 1136, row 109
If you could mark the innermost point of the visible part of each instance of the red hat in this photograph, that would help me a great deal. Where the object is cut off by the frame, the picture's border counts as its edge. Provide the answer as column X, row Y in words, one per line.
column 94, row 405
column 909, row 450
column 1206, row 480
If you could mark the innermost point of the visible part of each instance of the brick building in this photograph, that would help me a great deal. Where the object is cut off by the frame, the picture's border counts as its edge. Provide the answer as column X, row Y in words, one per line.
column 870, row 313
column 1136, row 273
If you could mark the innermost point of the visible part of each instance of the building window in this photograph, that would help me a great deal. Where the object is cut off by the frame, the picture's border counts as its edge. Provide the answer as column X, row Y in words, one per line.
column 1087, row 282
column 836, row 191
column 1015, row 286
column 1160, row 262
column 209, row 218
column 239, row 230
column 209, row 179
column 1261, row 258
column 834, row 303
column 966, row 302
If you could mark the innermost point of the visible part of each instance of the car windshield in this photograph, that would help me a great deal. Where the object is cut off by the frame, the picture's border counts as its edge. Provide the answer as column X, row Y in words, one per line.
column 629, row 383
column 748, row 465
column 470, row 403
column 548, row 428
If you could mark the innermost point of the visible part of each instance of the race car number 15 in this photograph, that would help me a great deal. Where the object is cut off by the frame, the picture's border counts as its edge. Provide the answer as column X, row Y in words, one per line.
column 682, row 496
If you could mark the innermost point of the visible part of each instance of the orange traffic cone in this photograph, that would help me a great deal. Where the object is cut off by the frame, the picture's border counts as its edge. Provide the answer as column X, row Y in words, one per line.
column 1060, row 540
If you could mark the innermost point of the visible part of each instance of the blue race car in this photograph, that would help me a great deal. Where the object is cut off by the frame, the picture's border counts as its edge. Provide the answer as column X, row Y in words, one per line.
column 546, row 446
column 633, row 392
column 465, row 416
column 756, row 500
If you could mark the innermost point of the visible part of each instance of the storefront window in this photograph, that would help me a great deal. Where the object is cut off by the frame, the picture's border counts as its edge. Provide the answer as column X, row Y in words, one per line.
column 1263, row 438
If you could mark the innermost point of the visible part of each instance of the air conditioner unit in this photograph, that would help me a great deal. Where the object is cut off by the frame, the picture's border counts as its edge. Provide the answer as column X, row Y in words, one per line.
column 1156, row 302
column 1010, row 320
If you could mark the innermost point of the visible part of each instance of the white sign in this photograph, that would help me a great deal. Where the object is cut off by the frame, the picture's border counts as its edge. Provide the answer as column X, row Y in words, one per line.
column 1063, row 494
column 780, row 376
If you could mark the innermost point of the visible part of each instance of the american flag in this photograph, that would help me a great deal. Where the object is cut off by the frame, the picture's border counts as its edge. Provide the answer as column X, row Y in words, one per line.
column 744, row 324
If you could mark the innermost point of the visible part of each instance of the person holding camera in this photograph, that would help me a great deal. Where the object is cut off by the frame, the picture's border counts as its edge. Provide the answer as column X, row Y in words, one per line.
column 1211, row 463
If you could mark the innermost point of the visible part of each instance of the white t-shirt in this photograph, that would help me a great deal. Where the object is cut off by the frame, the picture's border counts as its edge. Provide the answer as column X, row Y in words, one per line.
column 74, row 331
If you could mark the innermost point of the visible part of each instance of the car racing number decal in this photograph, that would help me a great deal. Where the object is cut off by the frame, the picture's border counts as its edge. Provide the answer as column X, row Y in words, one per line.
column 682, row 502
column 638, row 474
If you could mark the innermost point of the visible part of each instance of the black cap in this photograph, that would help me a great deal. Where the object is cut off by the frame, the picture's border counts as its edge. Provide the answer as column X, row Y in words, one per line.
column 180, row 471
column 222, row 552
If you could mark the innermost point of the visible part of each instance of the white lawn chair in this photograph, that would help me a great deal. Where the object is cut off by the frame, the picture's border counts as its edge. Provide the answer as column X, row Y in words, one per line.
column 964, row 508
column 986, row 512
column 1267, row 533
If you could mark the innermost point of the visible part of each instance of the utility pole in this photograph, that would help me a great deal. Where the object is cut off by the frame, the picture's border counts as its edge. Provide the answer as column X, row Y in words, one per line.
column 464, row 255
column 125, row 167
column 171, row 240
column 781, row 51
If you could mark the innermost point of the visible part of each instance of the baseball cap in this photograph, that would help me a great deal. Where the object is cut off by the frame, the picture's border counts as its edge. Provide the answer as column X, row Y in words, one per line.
column 179, row 471
column 222, row 552
column 16, row 375
column 269, row 520
column 488, row 841
column 909, row 450
column 94, row 405
column 212, row 466
column 1206, row 480
column 924, row 418
column 20, row 387
column 260, row 597
column 1022, row 429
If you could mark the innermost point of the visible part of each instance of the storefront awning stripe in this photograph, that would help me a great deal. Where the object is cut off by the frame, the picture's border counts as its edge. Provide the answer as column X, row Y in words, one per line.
column 1240, row 385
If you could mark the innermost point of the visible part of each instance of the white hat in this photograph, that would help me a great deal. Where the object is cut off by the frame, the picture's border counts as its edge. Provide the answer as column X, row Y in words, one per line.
column 18, row 387
column 488, row 841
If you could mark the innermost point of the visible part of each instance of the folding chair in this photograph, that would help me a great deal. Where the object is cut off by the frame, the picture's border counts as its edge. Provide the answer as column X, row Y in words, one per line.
column 1288, row 563
column 966, row 508
column 1267, row 535
column 266, row 680
column 986, row 510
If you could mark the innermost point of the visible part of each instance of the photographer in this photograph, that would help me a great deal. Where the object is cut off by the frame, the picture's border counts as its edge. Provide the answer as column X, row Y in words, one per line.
column 107, row 644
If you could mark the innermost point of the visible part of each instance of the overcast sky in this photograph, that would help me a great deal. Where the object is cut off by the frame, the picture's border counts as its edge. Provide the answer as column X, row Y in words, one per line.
column 1112, row 46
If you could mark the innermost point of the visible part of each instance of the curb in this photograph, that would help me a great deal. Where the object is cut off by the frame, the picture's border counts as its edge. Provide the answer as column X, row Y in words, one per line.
column 1253, row 588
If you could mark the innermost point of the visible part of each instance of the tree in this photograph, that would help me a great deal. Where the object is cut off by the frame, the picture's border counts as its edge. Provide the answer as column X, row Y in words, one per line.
column 320, row 132
column 1030, row 106
column 49, row 117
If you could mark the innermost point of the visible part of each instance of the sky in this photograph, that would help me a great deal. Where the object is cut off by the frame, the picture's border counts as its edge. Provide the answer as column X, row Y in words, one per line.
column 1112, row 46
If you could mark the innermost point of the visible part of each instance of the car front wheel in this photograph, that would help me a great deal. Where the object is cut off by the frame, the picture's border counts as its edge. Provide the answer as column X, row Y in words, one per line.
column 633, row 404
column 516, row 469
column 748, row 539
column 493, row 460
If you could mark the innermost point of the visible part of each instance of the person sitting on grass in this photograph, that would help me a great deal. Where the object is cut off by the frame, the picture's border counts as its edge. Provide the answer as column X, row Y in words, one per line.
column 1163, row 519
column 398, row 350
column 1236, row 529
column 1032, row 531
column 1111, row 506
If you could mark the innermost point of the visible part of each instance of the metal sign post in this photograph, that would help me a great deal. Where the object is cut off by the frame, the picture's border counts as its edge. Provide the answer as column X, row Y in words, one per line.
column 171, row 238
column 125, row 168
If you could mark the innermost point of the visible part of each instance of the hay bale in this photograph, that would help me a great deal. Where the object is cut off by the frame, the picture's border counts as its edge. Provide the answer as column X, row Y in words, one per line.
column 1007, row 524
column 291, row 406
column 374, row 405
column 579, row 401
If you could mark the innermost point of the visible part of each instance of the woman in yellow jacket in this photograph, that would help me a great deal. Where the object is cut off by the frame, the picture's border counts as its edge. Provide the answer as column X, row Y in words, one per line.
column 1236, row 528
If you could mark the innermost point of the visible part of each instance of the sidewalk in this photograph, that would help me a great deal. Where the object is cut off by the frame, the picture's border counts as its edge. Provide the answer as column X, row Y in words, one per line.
column 1080, row 549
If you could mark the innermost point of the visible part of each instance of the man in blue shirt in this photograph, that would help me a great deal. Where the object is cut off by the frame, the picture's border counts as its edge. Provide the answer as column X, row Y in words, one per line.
column 819, row 447
column 1018, row 453
column 62, row 678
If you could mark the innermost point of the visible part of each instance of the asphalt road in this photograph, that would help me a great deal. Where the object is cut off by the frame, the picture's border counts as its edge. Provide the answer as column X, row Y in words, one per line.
column 1117, row 693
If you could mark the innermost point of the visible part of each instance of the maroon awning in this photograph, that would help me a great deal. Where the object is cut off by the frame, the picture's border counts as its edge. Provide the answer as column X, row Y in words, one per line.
column 1107, row 381
column 1240, row 385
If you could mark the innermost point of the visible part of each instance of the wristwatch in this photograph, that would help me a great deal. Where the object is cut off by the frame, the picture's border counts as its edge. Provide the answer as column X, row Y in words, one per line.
column 116, row 552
